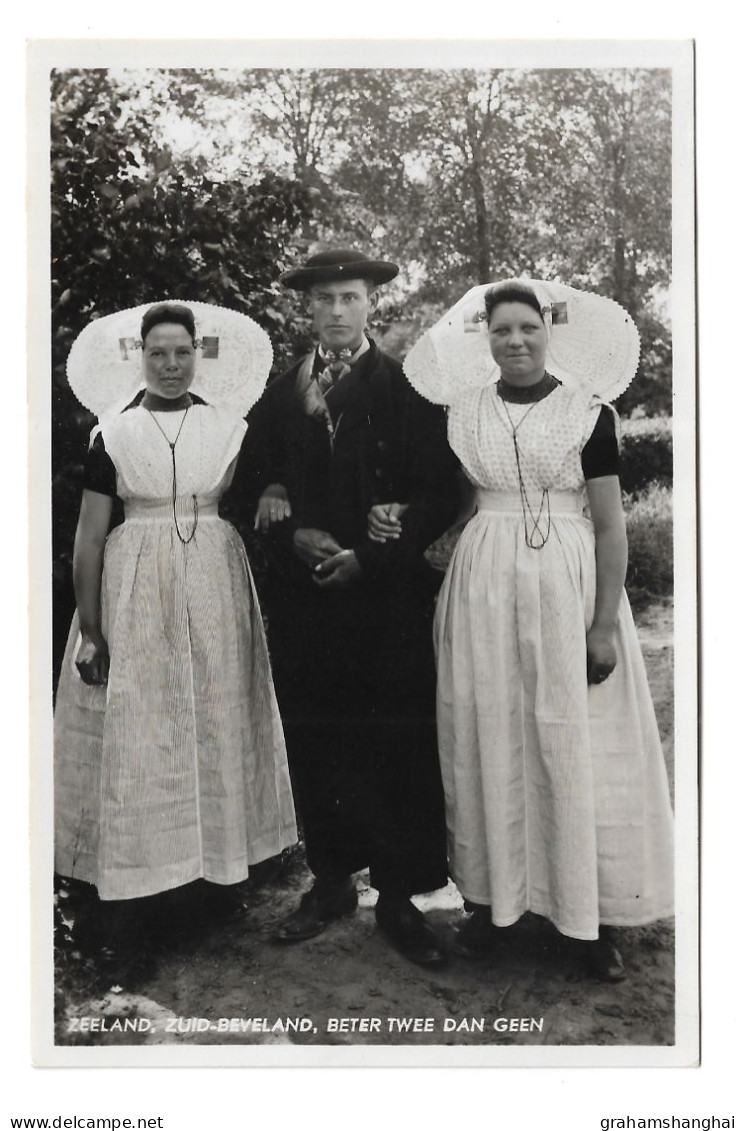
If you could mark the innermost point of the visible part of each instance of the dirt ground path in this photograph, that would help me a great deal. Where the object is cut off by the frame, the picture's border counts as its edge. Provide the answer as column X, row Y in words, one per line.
column 234, row 985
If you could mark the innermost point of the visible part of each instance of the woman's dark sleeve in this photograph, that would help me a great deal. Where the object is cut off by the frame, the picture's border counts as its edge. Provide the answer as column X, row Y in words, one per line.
column 99, row 473
column 600, row 456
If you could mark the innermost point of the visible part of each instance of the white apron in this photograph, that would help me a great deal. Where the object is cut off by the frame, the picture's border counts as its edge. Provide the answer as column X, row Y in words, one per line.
column 176, row 769
column 556, row 792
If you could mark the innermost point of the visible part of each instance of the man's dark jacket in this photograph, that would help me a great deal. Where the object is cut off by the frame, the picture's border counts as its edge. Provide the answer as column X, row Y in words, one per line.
column 353, row 667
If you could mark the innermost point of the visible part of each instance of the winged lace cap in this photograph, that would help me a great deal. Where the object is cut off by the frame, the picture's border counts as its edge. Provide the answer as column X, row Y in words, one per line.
column 593, row 343
column 234, row 357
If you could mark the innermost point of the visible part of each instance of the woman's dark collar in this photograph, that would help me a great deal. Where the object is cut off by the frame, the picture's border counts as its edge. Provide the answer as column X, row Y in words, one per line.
column 163, row 405
column 527, row 394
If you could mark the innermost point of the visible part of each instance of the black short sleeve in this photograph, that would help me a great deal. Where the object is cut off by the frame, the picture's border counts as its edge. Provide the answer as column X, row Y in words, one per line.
column 600, row 456
column 99, row 473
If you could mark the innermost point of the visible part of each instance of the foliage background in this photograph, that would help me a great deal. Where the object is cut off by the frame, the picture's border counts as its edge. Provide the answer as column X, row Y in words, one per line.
column 206, row 184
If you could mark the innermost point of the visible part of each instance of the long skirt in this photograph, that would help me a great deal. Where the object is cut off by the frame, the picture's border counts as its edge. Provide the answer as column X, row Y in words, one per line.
column 556, row 793
column 176, row 769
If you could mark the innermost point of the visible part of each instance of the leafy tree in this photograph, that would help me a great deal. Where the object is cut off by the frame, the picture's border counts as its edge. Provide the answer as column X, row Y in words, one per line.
column 549, row 173
column 466, row 175
column 207, row 183
column 134, row 222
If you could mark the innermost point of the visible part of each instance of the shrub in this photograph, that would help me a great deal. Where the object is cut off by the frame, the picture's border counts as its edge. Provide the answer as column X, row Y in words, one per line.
column 131, row 223
column 650, row 535
column 646, row 454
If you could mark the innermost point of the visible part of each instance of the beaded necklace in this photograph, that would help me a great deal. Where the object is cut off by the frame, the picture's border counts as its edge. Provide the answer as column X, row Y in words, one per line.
column 172, row 445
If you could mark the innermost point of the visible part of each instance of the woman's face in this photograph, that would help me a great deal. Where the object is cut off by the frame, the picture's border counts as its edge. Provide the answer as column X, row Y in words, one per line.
column 168, row 358
column 518, row 342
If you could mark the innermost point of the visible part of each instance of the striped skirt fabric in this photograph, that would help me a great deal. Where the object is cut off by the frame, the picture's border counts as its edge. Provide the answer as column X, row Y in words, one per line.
column 556, row 792
column 176, row 769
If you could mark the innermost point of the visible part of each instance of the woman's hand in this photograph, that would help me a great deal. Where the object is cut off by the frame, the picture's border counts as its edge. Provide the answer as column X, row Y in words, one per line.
column 601, row 654
column 273, row 507
column 92, row 660
column 605, row 501
column 383, row 521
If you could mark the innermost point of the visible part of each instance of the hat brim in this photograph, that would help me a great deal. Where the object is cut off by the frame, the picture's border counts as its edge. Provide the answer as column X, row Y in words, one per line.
column 377, row 270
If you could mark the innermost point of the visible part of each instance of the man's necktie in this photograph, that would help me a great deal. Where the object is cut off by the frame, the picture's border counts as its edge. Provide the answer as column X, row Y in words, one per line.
column 336, row 365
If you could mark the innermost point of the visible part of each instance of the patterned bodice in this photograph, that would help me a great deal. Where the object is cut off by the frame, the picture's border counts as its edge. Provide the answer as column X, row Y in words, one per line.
column 550, row 433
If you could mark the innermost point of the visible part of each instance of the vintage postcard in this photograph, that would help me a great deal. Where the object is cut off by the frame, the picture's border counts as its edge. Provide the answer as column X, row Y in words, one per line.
column 252, row 844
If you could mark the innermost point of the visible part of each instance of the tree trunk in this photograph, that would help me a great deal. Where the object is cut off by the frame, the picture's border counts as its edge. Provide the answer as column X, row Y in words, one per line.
column 619, row 279
column 483, row 234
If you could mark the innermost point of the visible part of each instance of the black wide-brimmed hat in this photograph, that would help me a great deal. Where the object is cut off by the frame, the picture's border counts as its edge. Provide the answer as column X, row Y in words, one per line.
column 338, row 263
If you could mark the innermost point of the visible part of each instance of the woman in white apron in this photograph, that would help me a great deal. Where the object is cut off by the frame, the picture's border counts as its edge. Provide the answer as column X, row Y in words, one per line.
column 556, row 790
column 170, row 760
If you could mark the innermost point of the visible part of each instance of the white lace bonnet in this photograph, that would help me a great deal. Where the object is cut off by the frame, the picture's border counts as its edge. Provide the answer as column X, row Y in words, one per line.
column 593, row 342
column 234, row 357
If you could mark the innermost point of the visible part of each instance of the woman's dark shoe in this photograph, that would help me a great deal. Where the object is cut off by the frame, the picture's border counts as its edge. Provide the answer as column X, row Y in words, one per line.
column 603, row 960
column 408, row 932
column 318, row 908
column 109, row 927
column 115, row 936
column 223, row 904
column 477, row 937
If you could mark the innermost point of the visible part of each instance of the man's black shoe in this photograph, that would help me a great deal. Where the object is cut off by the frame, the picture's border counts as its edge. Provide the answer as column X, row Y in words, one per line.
column 408, row 932
column 318, row 907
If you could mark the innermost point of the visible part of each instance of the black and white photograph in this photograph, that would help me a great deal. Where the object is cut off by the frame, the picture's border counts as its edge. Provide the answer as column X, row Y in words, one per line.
column 364, row 656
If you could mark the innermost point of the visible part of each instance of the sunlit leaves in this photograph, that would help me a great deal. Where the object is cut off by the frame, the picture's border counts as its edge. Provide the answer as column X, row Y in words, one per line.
column 133, row 221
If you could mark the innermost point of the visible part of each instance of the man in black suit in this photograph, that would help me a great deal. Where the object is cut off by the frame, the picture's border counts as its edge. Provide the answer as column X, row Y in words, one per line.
column 350, row 618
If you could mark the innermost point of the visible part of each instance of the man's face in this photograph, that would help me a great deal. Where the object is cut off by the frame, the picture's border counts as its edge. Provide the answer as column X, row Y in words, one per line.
column 340, row 312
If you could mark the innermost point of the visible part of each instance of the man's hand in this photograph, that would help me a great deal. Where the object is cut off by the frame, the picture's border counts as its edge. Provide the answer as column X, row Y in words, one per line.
column 273, row 506
column 338, row 571
column 383, row 521
column 314, row 546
